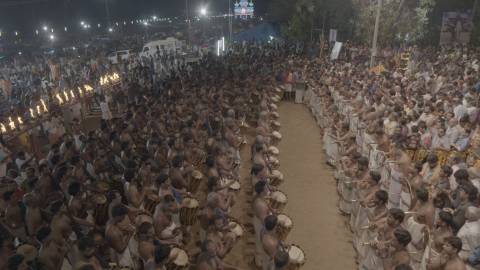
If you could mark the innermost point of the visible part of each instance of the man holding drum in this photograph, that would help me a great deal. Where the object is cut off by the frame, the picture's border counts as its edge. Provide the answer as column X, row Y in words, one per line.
column 270, row 242
column 261, row 210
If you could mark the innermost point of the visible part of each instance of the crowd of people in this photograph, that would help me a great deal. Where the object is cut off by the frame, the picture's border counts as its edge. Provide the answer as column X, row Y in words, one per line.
column 404, row 144
column 152, row 186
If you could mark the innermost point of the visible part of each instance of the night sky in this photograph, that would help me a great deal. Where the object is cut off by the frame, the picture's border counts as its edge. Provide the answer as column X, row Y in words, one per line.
column 34, row 13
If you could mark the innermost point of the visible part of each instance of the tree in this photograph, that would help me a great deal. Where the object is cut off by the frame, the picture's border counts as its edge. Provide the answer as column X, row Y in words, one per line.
column 281, row 10
column 311, row 15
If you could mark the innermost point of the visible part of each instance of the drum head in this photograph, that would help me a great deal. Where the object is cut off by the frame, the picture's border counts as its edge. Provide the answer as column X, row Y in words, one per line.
column 279, row 196
column 235, row 185
column 197, row 174
column 284, row 220
column 277, row 174
column 190, row 203
column 179, row 257
column 297, row 256
column 274, row 150
column 237, row 230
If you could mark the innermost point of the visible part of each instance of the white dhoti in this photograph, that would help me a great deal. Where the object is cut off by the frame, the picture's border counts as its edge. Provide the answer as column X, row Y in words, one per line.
column 258, row 226
column 371, row 261
column 345, row 203
column 429, row 254
column 125, row 258
column 416, row 231
column 405, row 201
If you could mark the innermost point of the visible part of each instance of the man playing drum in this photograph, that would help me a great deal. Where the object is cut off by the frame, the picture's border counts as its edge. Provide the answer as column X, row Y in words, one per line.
column 261, row 210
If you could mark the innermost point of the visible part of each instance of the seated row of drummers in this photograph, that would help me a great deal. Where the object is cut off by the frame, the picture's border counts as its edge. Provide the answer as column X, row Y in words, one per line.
column 270, row 224
column 153, row 189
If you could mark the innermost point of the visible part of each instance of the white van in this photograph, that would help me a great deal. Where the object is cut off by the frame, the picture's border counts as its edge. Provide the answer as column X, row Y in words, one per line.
column 119, row 55
column 168, row 45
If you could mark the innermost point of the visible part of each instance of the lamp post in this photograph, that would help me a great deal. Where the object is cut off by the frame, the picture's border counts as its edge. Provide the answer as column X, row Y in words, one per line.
column 146, row 29
column 187, row 15
column 203, row 13
column 107, row 12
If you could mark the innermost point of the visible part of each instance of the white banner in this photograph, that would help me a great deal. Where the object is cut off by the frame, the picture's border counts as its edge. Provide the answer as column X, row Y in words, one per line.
column 336, row 50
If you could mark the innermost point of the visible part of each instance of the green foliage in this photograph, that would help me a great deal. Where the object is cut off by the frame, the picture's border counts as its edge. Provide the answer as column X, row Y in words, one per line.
column 281, row 10
column 309, row 17
column 402, row 21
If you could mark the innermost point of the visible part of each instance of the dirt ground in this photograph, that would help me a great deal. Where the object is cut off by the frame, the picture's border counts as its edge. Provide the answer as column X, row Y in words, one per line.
column 312, row 199
column 318, row 227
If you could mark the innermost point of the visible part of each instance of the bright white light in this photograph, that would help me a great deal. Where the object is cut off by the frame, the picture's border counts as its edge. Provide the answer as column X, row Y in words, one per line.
column 16, row 33
column 45, row 28
column 85, row 26
column 98, row 25
column 271, row 37
column 36, row 32
column 110, row 30
column 0, row 33
column 116, row 23
column 51, row 30
column 218, row 47
column 124, row 23
column 73, row 48
column 154, row 17
column 66, row 29
column 223, row 43
column 203, row 11
column 131, row 22
column 19, row 53
column 52, row 37
column 145, row 23
column 82, row 23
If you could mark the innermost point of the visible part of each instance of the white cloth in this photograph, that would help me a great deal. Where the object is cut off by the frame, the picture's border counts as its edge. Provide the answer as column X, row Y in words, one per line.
column 470, row 235
column 416, row 231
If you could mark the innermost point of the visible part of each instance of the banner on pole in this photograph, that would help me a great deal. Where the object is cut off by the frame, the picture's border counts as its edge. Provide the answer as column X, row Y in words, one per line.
column 336, row 50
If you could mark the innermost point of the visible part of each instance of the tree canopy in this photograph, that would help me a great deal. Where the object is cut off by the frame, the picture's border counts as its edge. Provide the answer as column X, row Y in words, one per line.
column 402, row 21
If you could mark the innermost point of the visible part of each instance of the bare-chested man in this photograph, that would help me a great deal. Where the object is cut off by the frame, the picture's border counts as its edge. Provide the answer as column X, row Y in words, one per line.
column 270, row 242
column 119, row 232
column 449, row 259
column 397, row 251
column 261, row 210
column 85, row 252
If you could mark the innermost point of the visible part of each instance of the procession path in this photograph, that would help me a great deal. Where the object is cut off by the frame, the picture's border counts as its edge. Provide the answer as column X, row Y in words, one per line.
column 242, row 252
column 318, row 227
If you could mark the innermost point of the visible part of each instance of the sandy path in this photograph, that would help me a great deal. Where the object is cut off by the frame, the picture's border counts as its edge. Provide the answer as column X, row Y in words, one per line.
column 242, row 252
column 318, row 228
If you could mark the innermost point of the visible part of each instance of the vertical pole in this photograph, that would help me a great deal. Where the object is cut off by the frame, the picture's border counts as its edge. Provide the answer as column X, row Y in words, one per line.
column 230, row 27
column 107, row 11
column 188, row 21
column 375, row 34
column 474, row 10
